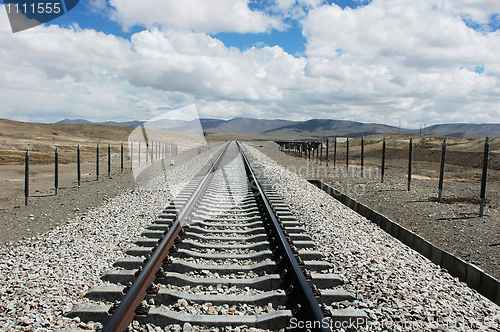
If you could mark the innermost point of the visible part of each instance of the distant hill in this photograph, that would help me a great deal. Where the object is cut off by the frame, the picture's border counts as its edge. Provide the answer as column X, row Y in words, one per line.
column 108, row 123
column 326, row 127
column 465, row 130
column 211, row 126
column 315, row 128
column 74, row 121
column 123, row 124
column 241, row 125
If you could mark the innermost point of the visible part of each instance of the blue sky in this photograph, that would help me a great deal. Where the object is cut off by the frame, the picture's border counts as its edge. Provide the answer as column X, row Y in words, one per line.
column 387, row 61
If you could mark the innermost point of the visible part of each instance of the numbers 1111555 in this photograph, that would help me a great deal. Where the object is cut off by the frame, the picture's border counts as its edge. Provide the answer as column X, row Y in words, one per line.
column 40, row 8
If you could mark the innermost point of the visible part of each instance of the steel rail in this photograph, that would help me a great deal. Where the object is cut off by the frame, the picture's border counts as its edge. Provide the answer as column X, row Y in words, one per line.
column 310, row 308
column 125, row 312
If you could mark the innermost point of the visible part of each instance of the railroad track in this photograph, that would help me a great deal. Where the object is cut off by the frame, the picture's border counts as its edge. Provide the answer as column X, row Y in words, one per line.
column 226, row 252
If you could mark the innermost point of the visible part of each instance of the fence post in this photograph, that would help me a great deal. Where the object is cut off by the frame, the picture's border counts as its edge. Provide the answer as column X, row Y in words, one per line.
column 410, row 159
column 131, row 154
column 27, row 177
column 147, row 152
column 317, row 152
column 152, row 148
column 78, row 169
column 97, row 163
column 327, row 152
column 441, row 171
column 139, row 157
column 383, row 160
column 362, row 156
column 56, row 171
column 109, row 160
column 321, row 154
column 485, row 176
column 121, row 158
column 347, row 154
column 335, row 153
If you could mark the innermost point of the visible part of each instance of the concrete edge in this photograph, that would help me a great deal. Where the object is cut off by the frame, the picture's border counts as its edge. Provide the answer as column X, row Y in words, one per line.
column 474, row 277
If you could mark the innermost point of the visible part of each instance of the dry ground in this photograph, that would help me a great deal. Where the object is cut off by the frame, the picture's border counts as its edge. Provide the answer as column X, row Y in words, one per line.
column 45, row 210
column 42, row 140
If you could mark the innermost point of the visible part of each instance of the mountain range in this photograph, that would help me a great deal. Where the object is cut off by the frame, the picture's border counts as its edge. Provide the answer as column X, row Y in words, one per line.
column 315, row 128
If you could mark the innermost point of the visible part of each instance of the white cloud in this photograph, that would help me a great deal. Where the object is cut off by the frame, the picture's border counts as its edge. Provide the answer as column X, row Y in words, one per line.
column 74, row 72
column 198, row 64
column 404, row 56
column 412, row 32
column 479, row 11
column 198, row 15
column 398, row 60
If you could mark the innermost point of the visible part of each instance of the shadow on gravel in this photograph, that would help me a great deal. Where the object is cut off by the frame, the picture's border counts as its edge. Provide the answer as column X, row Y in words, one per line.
column 389, row 190
column 418, row 201
column 457, row 218
column 452, row 200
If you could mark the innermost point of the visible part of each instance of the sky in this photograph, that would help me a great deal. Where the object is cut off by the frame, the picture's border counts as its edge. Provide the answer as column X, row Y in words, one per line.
column 397, row 62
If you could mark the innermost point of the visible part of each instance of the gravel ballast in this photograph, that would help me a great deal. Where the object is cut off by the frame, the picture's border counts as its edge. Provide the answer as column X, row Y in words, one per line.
column 43, row 277
column 399, row 288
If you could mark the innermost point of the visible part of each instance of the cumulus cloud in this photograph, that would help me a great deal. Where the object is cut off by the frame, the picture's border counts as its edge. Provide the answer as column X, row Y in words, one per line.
column 76, row 72
column 479, row 11
column 384, row 62
column 406, row 55
column 413, row 32
column 197, row 64
column 198, row 15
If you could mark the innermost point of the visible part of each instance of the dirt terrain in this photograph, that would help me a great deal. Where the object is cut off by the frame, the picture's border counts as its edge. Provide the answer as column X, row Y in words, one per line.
column 42, row 141
column 45, row 209
column 452, row 225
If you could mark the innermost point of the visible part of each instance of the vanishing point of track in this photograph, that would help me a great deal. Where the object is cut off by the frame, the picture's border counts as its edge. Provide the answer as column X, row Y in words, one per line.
column 226, row 252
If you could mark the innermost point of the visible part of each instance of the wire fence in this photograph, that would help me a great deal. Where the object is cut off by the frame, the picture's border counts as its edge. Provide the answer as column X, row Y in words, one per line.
column 417, row 155
column 71, row 165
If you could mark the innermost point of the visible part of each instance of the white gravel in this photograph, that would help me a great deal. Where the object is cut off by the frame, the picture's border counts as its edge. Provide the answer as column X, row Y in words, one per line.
column 400, row 289
column 42, row 278
column 188, row 307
